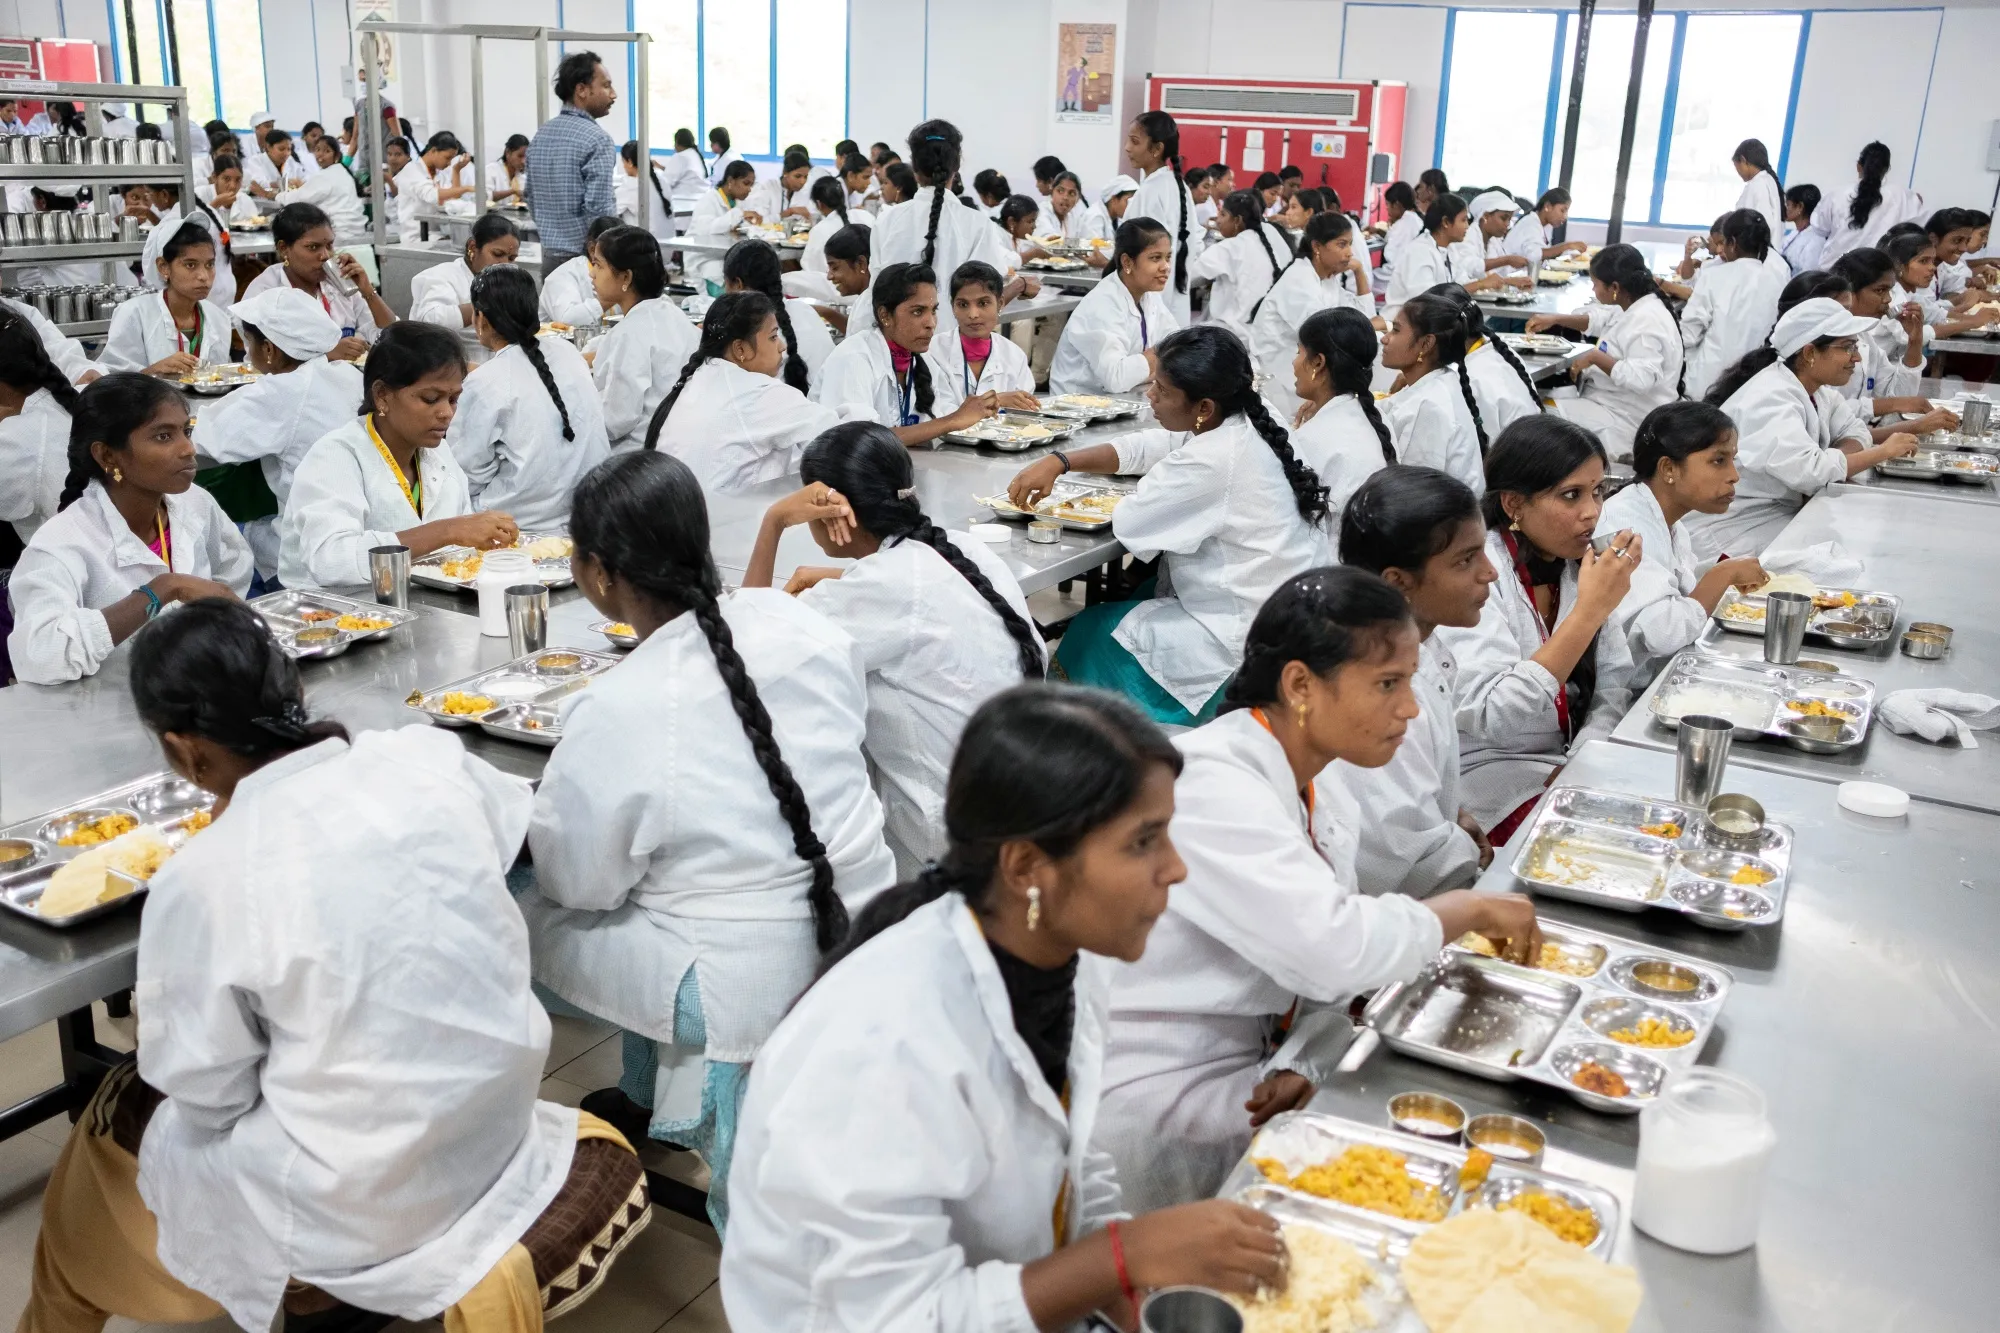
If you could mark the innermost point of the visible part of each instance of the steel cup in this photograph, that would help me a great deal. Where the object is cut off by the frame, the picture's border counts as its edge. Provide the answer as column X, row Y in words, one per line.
column 527, row 618
column 1700, row 756
column 1786, row 615
column 1188, row 1310
column 10, row 229
column 389, row 572
column 1977, row 417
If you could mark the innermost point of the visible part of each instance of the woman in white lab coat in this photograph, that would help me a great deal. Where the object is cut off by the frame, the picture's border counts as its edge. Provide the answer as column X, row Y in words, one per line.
column 1435, row 416
column 1436, row 255
column 625, row 188
column 507, row 176
column 1863, row 212
column 1803, row 247
column 705, row 826
column 529, row 424
column 1502, row 388
column 879, row 373
column 1528, row 237
column 1338, row 432
column 442, row 293
column 732, row 418
column 1153, row 147
column 1788, row 424
column 931, row 228
column 1735, row 302
column 784, row 195
column 719, row 214
column 1685, row 458
column 1226, row 504
column 304, row 240
column 383, row 479
column 1324, row 276
column 333, row 190
column 724, row 157
column 753, row 266
column 686, row 172
column 834, row 215
column 1270, row 923
column 974, row 359
column 1532, row 675
column 968, row 1017
column 1763, row 193
column 36, row 403
column 432, row 179
column 1406, row 222
column 1241, row 266
column 1892, row 360
column 286, row 1132
column 222, row 189
column 1915, row 256
column 938, row 620
column 1078, row 222
column 568, row 294
column 175, row 331
column 1639, row 361
column 639, row 360
column 1107, row 345
column 132, row 534
column 176, row 212
column 1421, row 530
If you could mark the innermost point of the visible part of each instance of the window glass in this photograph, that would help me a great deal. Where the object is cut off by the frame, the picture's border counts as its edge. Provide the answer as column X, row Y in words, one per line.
column 239, row 50
column 812, row 74
column 676, row 89
column 1735, row 84
column 737, row 58
column 1493, row 128
column 197, row 74
column 1603, row 117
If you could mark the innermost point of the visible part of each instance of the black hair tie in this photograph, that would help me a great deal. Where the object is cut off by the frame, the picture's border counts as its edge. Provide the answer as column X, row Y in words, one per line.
column 289, row 725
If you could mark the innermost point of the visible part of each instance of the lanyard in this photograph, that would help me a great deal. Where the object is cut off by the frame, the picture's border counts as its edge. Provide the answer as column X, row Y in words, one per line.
column 906, row 388
column 1541, row 626
column 166, row 531
column 1265, row 723
column 413, row 491
column 1145, row 339
column 182, row 343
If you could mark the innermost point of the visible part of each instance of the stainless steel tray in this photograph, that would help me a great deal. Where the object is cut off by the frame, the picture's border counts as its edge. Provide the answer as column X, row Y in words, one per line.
column 294, row 612
column 1595, row 847
column 1539, row 344
column 162, row 800
column 1299, row 1139
column 1092, row 406
column 215, row 385
column 1012, row 432
column 517, row 689
column 1055, row 505
column 1506, row 296
column 1504, row 1022
column 1947, row 465
column 1057, row 263
column 1757, row 697
column 1870, row 622
column 429, row 571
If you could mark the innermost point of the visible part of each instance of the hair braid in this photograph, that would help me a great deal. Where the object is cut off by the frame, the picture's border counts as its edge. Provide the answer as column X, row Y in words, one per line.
column 754, row 266
column 1181, row 231
column 1264, row 239
column 700, row 358
column 920, row 377
column 83, row 470
column 1027, row 641
column 1366, row 399
column 796, row 374
column 27, row 364
column 930, row 234
column 1499, row 344
column 1472, row 405
column 1307, row 490
column 505, row 295
column 541, row 365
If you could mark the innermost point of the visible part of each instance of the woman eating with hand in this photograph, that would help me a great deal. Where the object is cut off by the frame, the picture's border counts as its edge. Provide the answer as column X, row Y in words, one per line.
column 1639, row 362
column 1325, row 276
column 131, row 536
column 1270, row 924
column 304, row 240
column 382, row 479
column 880, row 372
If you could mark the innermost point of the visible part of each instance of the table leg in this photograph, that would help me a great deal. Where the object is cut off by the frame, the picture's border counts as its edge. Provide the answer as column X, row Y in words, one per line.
column 677, row 1196
column 84, row 1064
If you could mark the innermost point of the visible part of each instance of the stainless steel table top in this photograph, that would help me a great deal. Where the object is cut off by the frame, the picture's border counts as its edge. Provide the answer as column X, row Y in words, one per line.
column 1966, row 343
column 1860, row 1017
column 1959, row 492
column 1082, row 279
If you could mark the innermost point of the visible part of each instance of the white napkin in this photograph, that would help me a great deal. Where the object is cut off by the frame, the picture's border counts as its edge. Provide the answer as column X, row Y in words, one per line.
column 1825, row 563
column 1938, row 714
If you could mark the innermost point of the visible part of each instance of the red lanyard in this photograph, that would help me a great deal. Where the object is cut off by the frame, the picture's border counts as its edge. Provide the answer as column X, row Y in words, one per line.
column 1528, row 591
column 180, row 340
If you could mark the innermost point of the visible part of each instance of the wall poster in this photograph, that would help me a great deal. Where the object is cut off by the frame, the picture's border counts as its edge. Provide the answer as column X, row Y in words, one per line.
column 1086, row 72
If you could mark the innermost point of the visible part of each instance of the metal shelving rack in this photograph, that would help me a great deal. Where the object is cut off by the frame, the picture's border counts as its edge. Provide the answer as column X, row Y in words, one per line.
column 91, row 97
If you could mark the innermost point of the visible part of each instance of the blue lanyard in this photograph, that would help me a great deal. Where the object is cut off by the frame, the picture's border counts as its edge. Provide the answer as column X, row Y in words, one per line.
column 1144, row 338
column 907, row 389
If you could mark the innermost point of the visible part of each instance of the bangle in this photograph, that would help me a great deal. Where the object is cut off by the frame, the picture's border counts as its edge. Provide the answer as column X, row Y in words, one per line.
column 1061, row 457
column 152, row 601
column 1124, row 1277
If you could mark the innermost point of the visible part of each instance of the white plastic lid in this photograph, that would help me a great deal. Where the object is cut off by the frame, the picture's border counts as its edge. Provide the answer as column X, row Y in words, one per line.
column 1874, row 798
column 993, row 534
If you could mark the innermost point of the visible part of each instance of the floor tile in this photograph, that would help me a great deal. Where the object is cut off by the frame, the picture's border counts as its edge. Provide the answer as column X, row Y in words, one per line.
column 601, row 1066
column 571, row 1037
column 702, row 1315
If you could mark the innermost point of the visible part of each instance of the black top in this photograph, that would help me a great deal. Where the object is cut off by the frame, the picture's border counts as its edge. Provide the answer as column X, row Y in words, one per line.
column 1044, row 1004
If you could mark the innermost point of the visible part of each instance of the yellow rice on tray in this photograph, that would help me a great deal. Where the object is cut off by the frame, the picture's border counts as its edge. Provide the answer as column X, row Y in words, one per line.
column 1324, row 1294
column 1365, row 1176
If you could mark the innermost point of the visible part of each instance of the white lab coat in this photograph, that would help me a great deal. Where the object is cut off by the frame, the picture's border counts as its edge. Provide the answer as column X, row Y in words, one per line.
column 1785, row 455
column 859, row 382
column 1397, row 239
column 1103, row 344
column 814, row 337
column 1658, row 617
column 436, row 293
column 1295, row 297
column 335, row 192
column 507, row 434
column 813, row 258
column 34, row 462
column 1218, row 508
column 1083, row 224
column 345, row 500
column 86, row 558
column 1267, row 918
column 497, row 180
column 1508, row 734
column 65, row 351
column 1433, row 427
column 1803, row 248
column 1646, row 340
column 223, row 291
column 143, row 332
column 660, row 207
column 1163, row 197
column 1421, row 266
column 1761, row 194
column 721, row 164
column 349, row 312
column 276, row 419
column 1006, row 370
column 735, row 428
column 241, row 209
column 1881, row 374
column 259, row 169
column 1340, row 444
column 1832, row 218
column 1503, row 399
column 416, row 190
column 1410, row 839
column 1239, row 271
column 380, row 1140
column 1729, row 315
column 685, row 176
column 1525, row 239
column 963, row 234
column 770, row 198
column 713, row 217
column 567, row 294
column 900, row 1156
column 659, row 847
column 636, row 367
column 932, row 650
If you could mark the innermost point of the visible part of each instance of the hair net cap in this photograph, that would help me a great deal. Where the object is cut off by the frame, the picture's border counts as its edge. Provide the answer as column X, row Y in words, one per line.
column 294, row 321
column 1809, row 321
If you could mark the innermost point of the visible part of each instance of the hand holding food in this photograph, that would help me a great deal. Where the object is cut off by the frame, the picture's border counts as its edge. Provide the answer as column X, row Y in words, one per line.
column 1938, row 418
column 1216, row 1243
column 484, row 532
column 187, row 588
column 1744, row 572
column 1034, row 481
column 1508, row 919
column 1900, row 445
column 1018, row 400
column 976, row 408
column 1283, row 1091
column 178, row 363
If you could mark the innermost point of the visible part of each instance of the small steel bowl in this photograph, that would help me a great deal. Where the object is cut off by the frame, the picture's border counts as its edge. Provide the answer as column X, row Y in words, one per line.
column 169, row 798
column 1427, row 1115
column 1662, row 979
column 65, row 824
column 1188, row 1310
column 17, row 854
column 1821, row 735
column 1614, row 1013
column 558, row 663
column 1735, row 821
column 1043, row 531
column 1925, row 647
column 1931, row 627
column 1643, row 1075
column 1508, row 1137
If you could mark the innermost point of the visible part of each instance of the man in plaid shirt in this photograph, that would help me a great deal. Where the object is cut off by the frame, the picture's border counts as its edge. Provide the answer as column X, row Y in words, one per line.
column 570, row 161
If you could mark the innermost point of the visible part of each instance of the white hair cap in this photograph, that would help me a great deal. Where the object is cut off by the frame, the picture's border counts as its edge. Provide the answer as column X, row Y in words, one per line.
column 1493, row 201
column 262, row 118
column 1118, row 185
column 1809, row 321
column 294, row 321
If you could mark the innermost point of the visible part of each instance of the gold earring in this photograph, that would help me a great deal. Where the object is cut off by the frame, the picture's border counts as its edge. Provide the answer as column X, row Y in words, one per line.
column 1299, row 710
column 116, row 475
column 1034, row 908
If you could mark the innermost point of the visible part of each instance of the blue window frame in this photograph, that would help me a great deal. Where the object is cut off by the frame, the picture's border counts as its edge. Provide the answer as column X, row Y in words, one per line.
column 773, row 71
column 212, row 36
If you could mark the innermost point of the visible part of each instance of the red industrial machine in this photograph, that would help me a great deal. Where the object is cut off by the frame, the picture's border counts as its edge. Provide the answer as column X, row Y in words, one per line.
column 1343, row 133
column 47, row 60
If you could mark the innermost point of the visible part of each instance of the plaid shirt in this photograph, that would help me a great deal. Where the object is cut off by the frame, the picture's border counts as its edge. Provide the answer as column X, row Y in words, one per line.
column 569, row 179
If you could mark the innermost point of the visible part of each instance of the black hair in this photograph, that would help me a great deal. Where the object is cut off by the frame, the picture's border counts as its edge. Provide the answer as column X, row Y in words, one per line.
column 1291, row 172
column 1319, row 229
column 1324, row 618
column 598, row 226
column 1069, row 176
column 1532, row 456
column 1944, row 222
column 795, row 157
column 642, row 516
column 1874, row 164
column 756, row 267
column 829, row 195
column 215, row 670
column 1676, row 431
column 401, row 141
column 1435, row 179
column 846, row 148
column 1623, row 267
column 1806, row 197
column 684, row 139
column 576, row 71
column 1900, row 229
column 444, row 141
column 991, row 184
column 739, row 170
column 1208, row 361
column 904, row 179
column 894, row 285
column 1040, row 763
column 854, row 162
column 1402, row 517
column 25, row 365
column 1018, row 206
column 408, row 350
column 1863, row 265
column 222, row 162
column 975, row 273
column 1132, row 239
column 281, row 136
column 1851, row 272
column 1816, row 282
column 107, row 412
column 735, row 317
column 1475, row 329
column 1758, row 156
column 1248, row 209
column 218, row 124
column 934, row 156
column 1552, row 196
column 1266, row 180
column 188, row 236
column 1312, row 200
column 505, row 294
column 627, row 249
column 1443, row 209
column 872, row 470
column 1749, row 231
column 489, row 228
column 290, row 224
column 630, row 152
column 1439, row 316
column 1048, row 167
column 1344, row 338
column 68, row 120
column 1401, row 195
column 1161, row 128
column 513, row 141
column 309, row 127
column 718, row 138
column 1903, row 248
column 879, row 152
column 849, row 244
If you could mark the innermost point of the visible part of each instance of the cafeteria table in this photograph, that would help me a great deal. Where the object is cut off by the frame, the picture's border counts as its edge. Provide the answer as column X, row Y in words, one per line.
column 1860, row 1017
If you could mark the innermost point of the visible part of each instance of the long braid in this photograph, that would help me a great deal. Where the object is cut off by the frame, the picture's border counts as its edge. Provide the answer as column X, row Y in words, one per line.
column 541, row 364
column 1499, row 345
column 930, row 233
column 1027, row 641
column 756, row 267
column 505, row 295
column 1259, row 304
column 934, row 157
column 1472, row 405
column 1264, row 239
column 1181, row 231
column 666, row 407
column 735, row 317
column 27, row 362
column 1307, row 490
column 796, row 374
column 83, row 470
column 1345, row 340
column 1366, row 400
column 659, row 190
column 920, row 377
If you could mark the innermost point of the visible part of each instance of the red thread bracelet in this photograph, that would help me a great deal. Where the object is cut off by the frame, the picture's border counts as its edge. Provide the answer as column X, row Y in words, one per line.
column 1124, row 1277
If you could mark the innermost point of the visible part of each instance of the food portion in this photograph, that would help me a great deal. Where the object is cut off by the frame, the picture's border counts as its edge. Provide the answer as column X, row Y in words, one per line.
column 550, row 548
column 1364, row 1176
column 317, row 615
column 1594, row 1077
column 316, row 634
column 1752, row 876
column 100, row 830
column 1553, row 958
column 621, row 629
column 1576, row 1225
column 1649, row 1031
column 1665, row 977
column 1326, row 1283
column 559, row 661
column 462, row 566
column 1472, row 1174
column 86, row 882
column 457, row 703
column 363, row 624
column 1746, row 708
column 1491, row 1270
column 196, row 822
column 1748, row 612
column 1817, row 708
column 1665, row 829
column 1089, row 508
